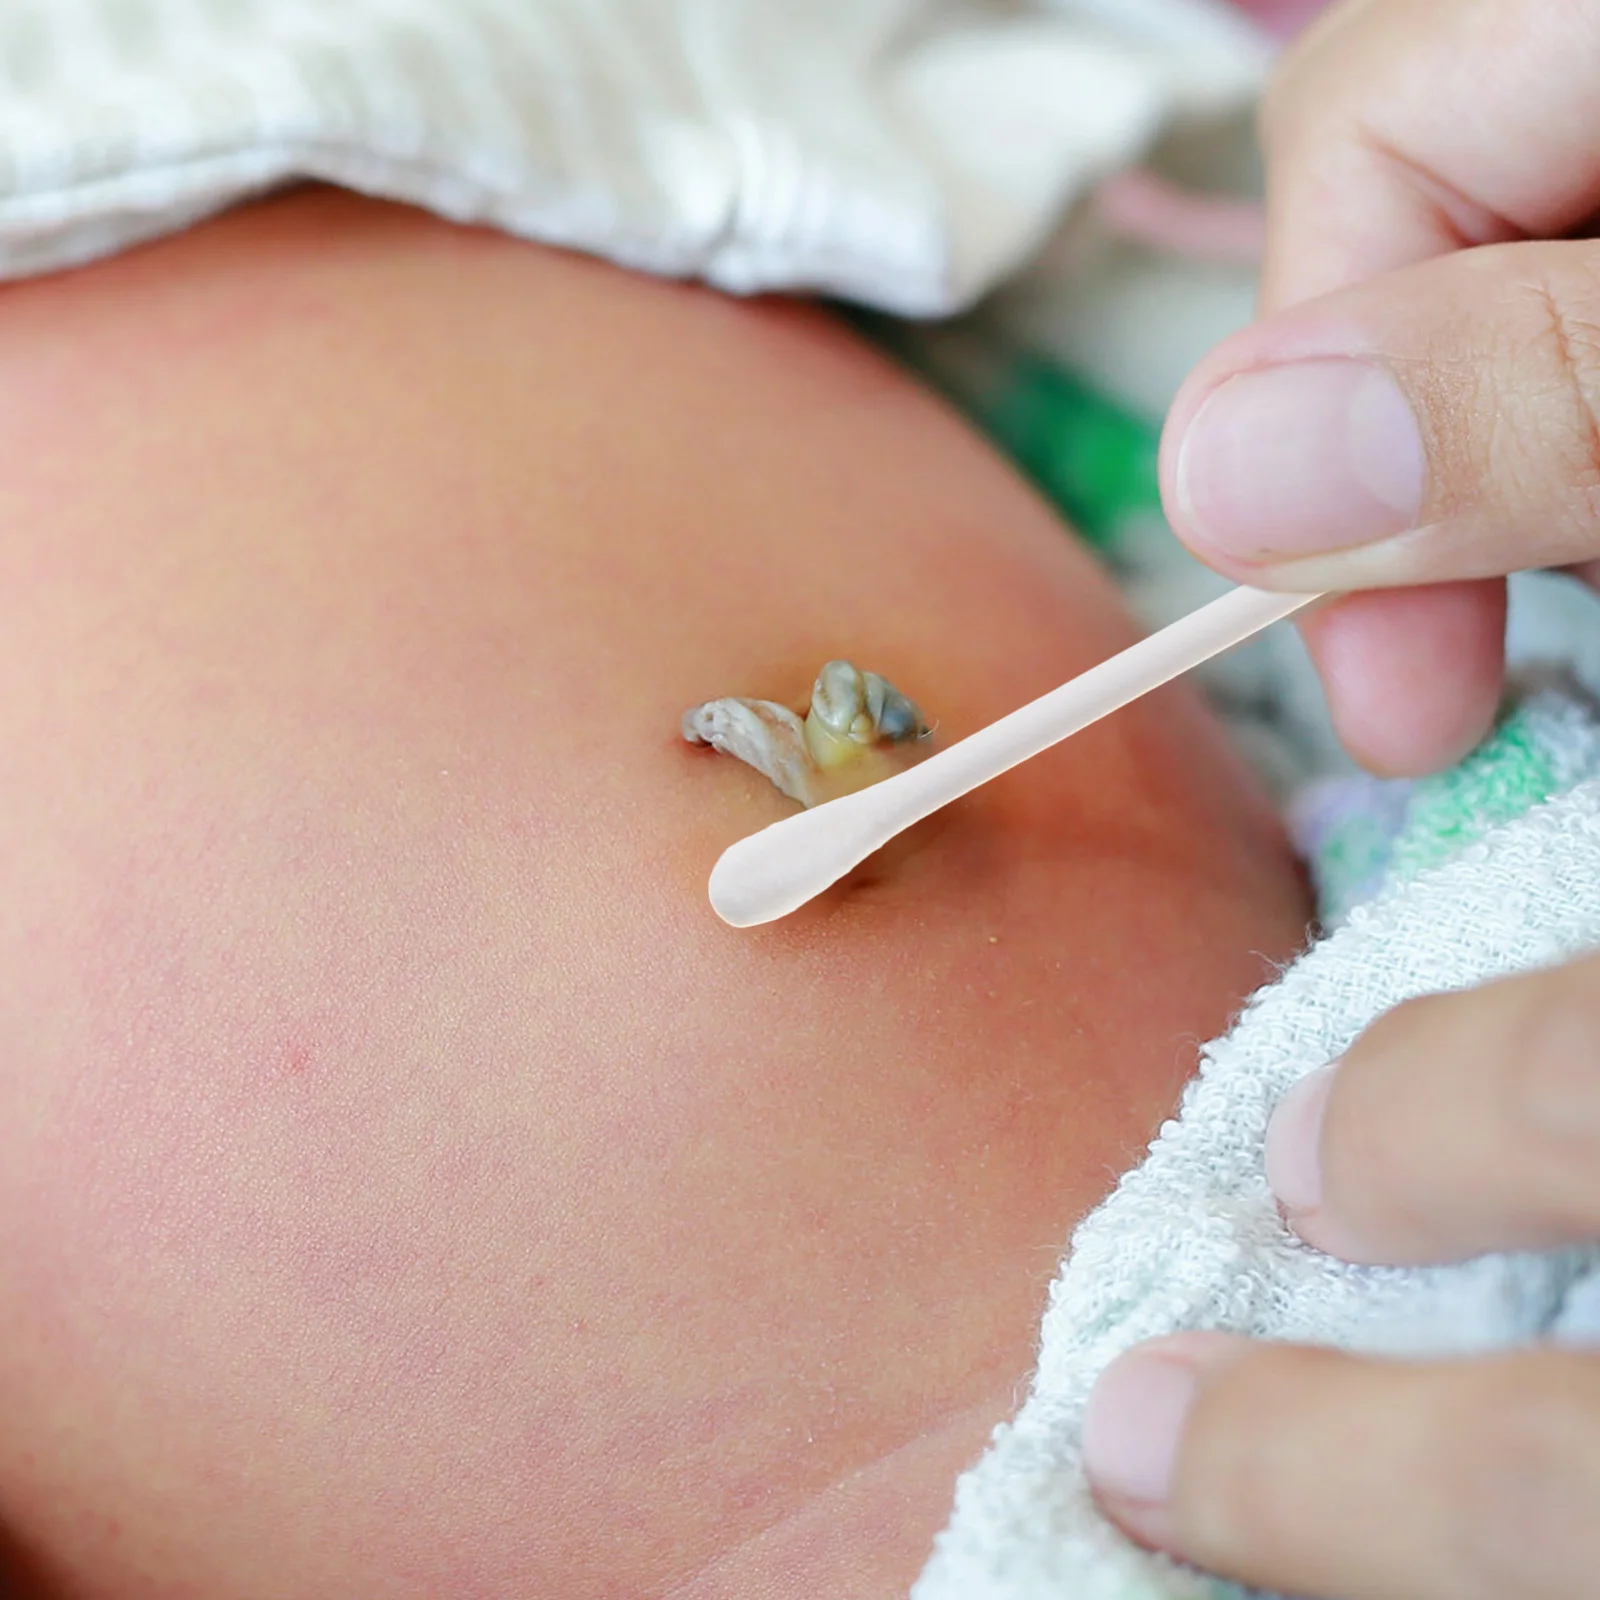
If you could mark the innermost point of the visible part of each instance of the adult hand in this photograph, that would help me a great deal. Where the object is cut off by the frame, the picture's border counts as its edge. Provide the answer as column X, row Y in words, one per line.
column 1417, row 414
column 1456, row 1124
column 1411, row 411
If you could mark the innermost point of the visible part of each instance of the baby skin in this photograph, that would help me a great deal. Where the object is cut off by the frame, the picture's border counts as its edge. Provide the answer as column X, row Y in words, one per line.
column 408, row 1188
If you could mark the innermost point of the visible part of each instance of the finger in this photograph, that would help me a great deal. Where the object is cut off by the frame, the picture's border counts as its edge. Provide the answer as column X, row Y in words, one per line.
column 1454, row 1125
column 1309, row 1472
column 1439, row 423
column 1413, row 676
column 1404, row 129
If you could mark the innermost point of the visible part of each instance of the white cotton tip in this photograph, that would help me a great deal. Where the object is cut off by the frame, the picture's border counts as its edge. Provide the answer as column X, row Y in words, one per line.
column 771, row 873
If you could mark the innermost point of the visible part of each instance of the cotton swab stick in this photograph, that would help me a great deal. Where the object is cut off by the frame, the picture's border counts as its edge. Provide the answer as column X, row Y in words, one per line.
column 771, row 873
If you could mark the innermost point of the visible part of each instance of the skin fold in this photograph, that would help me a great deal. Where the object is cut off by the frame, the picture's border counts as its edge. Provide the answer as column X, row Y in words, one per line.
column 407, row 1186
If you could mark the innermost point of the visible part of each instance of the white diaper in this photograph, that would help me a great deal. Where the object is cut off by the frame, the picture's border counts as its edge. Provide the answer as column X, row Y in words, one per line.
column 903, row 152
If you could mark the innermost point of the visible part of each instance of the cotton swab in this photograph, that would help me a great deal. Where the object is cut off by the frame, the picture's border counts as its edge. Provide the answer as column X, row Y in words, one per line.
column 771, row 873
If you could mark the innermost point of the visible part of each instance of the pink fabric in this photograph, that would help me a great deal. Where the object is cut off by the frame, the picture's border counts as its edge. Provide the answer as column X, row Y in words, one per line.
column 1282, row 17
column 1139, row 205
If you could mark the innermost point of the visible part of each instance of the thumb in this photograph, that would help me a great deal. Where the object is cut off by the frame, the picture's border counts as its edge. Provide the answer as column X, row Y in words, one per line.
column 1440, row 422
column 1305, row 1471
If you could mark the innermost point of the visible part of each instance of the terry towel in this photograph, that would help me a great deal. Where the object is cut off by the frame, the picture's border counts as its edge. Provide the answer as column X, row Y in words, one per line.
column 1491, row 869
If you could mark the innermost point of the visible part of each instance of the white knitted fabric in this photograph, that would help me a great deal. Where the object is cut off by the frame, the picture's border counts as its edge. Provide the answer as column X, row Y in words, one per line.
column 904, row 152
column 1192, row 1238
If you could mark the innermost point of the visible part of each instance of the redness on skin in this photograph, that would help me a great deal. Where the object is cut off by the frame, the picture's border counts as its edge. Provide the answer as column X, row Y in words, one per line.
column 298, row 1056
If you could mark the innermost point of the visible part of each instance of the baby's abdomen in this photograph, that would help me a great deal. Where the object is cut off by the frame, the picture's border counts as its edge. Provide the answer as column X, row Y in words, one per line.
column 407, row 1187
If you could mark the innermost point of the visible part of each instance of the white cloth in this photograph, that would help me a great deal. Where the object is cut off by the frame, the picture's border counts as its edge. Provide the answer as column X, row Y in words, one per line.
column 907, row 153
column 1192, row 1238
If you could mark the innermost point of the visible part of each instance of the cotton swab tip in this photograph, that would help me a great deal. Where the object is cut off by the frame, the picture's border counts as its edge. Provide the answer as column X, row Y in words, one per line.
column 763, row 877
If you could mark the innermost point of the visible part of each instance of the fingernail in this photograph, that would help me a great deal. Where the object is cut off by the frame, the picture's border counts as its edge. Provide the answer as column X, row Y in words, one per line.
column 1301, row 459
column 1294, row 1143
column 1135, row 1420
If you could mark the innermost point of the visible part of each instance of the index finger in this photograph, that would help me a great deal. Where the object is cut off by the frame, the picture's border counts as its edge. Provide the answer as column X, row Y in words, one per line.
column 1399, row 130
column 1455, row 1125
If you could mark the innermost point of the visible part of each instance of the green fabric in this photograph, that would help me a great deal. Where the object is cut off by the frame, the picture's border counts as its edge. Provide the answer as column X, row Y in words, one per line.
column 1362, row 836
column 1511, row 772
